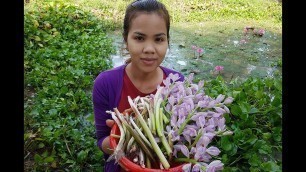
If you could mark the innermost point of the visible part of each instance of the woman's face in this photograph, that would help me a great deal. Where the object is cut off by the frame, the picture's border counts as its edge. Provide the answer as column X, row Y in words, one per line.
column 147, row 41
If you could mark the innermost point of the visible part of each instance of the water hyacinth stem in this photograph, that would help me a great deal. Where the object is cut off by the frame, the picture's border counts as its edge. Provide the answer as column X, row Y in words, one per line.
column 196, row 139
column 149, row 134
column 127, row 137
column 158, row 118
column 186, row 160
column 152, row 119
column 162, row 136
column 135, row 135
column 140, row 133
column 182, row 127
column 165, row 119
column 148, row 162
column 122, row 131
column 130, row 142
column 141, row 158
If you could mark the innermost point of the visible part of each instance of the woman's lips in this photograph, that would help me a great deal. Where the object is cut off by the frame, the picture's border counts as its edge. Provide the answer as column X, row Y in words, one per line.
column 148, row 61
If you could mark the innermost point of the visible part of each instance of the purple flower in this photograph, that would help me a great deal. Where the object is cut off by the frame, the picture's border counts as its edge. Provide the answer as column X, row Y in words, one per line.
column 228, row 100
column 186, row 167
column 220, row 98
column 216, row 165
column 194, row 47
column 196, row 168
column 188, row 133
column 219, row 68
column 200, row 50
column 213, row 151
column 181, row 148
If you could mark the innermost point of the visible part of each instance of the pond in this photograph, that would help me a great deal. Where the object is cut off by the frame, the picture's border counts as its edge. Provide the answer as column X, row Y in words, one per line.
column 242, row 54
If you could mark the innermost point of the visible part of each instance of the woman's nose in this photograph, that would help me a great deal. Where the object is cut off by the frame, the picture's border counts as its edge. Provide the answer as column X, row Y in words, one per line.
column 149, row 48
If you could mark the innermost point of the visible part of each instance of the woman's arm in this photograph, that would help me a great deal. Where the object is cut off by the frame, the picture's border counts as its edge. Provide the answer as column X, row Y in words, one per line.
column 100, row 106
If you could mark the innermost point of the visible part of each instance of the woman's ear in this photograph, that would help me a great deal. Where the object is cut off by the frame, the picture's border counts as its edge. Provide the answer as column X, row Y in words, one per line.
column 126, row 46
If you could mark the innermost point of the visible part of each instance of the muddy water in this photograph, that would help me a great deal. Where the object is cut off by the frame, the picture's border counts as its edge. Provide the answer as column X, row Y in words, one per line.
column 255, row 58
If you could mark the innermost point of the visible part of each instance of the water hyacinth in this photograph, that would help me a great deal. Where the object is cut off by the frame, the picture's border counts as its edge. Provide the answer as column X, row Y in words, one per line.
column 196, row 119
column 186, row 121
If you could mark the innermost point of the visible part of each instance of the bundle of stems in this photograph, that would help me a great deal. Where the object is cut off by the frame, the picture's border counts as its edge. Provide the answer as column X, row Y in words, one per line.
column 144, row 141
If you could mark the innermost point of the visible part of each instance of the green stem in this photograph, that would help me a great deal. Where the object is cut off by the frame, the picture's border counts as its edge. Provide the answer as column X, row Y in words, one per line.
column 196, row 139
column 140, row 133
column 162, row 136
column 193, row 161
column 149, row 134
column 135, row 135
column 182, row 127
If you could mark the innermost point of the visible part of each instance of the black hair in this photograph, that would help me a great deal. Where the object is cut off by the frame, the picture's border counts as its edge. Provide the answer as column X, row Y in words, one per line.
column 148, row 6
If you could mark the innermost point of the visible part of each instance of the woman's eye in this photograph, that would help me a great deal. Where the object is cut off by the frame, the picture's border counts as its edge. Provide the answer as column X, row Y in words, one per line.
column 159, row 39
column 139, row 38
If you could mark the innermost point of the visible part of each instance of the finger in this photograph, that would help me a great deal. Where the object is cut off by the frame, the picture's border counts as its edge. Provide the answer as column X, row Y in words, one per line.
column 110, row 122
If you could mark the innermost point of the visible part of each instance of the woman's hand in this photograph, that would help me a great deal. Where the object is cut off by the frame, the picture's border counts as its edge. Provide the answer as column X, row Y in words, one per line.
column 105, row 143
column 110, row 123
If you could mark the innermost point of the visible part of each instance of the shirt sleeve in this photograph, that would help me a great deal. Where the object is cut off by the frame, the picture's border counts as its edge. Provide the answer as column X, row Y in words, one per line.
column 101, row 105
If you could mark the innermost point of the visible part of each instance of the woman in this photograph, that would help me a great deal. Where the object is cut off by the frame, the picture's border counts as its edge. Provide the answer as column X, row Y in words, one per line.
column 146, row 36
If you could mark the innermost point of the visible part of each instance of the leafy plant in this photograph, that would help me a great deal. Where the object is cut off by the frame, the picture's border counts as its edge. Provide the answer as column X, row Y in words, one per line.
column 65, row 48
column 256, row 120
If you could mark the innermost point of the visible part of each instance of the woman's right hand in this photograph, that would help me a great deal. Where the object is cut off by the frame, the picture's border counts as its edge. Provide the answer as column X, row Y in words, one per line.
column 110, row 123
column 105, row 143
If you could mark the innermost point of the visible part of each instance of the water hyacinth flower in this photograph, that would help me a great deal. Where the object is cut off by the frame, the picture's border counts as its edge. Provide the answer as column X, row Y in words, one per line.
column 196, row 119
column 259, row 32
column 243, row 41
column 197, row 51
column 218, row 69
column 200, row 51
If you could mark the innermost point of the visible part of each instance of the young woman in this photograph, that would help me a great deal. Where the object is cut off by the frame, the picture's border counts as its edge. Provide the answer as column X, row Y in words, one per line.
column 146, row 35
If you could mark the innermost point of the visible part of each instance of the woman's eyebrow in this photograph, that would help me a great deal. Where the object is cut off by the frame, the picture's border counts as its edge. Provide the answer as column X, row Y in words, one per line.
column 156, row 35
column 160, row 34
column 138, row 33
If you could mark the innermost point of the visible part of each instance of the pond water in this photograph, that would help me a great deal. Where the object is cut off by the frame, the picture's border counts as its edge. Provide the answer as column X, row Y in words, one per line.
column 255, row 58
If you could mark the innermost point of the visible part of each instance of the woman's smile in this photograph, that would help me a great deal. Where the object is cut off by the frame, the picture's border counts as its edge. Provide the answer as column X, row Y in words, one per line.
column 148, row 61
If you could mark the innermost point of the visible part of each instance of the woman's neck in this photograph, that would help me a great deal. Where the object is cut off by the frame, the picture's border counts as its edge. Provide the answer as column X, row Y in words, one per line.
column 145, row 82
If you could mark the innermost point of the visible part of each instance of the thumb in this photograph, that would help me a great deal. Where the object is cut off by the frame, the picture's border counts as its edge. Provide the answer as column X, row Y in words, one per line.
column 110, row 122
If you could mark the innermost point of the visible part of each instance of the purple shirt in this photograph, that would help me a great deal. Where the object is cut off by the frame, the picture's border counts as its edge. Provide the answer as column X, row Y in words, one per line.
column 106, row 96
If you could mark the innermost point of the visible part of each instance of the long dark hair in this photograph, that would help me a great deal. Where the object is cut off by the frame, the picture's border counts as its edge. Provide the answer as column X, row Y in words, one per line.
column 148, row 6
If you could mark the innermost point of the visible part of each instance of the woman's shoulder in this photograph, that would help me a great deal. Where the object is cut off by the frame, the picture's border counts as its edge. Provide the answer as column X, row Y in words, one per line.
column 110, row 75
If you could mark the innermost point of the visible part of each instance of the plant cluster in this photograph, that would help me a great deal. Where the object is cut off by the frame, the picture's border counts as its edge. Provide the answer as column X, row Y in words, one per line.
column 256, row 121
column 65, row 48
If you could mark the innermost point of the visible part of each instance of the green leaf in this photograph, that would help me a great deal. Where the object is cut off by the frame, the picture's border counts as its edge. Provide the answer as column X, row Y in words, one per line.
column 270, row 166
column 252, row 140
column 266, row 136
column 259, row 94
column 236, row 110
column 226, row 144
column 90, row 117
column 253, row 110
column 81, row 155
column 36, row 38
column 254, row 161
column 276, row 102
column 49, row 159
column 41, row 145
column 37, row 158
